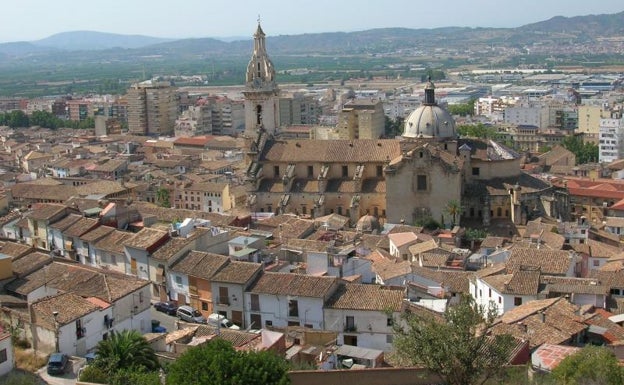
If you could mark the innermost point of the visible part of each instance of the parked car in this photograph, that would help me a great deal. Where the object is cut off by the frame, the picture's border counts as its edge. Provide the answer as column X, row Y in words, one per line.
column 57, row 363
column 220, row 320
column 189, row 314
column 166, row 307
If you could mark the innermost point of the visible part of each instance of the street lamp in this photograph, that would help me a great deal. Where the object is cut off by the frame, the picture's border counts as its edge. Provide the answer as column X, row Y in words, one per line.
column 56, row 331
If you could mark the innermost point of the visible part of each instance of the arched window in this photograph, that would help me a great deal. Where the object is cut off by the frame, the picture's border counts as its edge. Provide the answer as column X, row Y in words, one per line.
column 258, row 114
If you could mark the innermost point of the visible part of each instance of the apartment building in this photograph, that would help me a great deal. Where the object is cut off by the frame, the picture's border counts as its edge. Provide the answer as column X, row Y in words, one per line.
column 152, row 108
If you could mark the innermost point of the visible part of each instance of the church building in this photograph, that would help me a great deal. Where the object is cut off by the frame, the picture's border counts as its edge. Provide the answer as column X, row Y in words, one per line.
column 429, row 172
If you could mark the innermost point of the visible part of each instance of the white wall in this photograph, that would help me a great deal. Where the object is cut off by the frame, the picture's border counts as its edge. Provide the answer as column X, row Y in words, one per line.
column 237, row 301
column 372, row 328
column 7, row 365
column 275, row 308
column 175, row 288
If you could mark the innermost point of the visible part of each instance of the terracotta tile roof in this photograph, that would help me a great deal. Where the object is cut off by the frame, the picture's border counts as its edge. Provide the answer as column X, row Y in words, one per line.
column 177, row 244
column 355, row 151
column 146, row 238
column 200, row 264
column 422, row 247
column 45, row 211
column 498, row 268
column 551, row 262
column 30, row 262
column 402, row 239
column 66, row 222
column 237, row 272
column 522, row 282
column 549, row 356
column 42, row 192
column 80, row 227
column 238, row 338
column 612, row 279
column 97, row 233
column 69, row 306
column 570, row 285
column 14, row 249
column 293, row 285
column 355, row 296
column 113, row 242
column 553, row 320
column 304, row 245
column 389, row 269
column 100, row 187
column 294, row 228
column 614, row 332
column 82, row 280
column 169, row 215
column 491, row 242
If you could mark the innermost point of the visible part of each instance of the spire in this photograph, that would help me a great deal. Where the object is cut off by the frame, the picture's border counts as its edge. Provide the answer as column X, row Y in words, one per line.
column 260, row 71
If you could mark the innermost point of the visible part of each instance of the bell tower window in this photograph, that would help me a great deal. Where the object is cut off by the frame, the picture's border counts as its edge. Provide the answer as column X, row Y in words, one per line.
column 258, row 69
column 258, row 114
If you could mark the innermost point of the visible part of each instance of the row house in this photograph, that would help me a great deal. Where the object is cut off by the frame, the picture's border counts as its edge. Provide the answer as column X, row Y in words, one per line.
column 190, row 280
column 139, row 248
column 364, row 315
column 284, row 299
column 73, row 246
column 229, row 286
column 39, row 221
column 73, row 307
column 207, row 197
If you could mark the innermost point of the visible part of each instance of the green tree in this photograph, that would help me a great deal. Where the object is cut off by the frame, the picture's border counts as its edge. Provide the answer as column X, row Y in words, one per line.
column 478, row 130
column 217, row 363
column 127, row 349
column 17, row 118
column 591, row 365
column 135, row 377
column 393, row 127
column 453, row 208
column 462, row 109
column 94, row 375
column 162, row 197
column 455, row 348
column 16, row 378
column 585, row 152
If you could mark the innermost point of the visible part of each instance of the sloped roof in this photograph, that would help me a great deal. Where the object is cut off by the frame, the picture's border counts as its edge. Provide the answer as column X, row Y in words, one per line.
column 289, row 284
column 355, row 296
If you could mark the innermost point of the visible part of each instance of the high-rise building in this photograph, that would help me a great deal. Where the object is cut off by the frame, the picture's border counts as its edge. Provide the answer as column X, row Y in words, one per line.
column 361, row 119
column 152, row 108
column 611, row 138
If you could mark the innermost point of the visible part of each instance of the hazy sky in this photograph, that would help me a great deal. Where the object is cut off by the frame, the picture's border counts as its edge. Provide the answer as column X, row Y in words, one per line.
column 26, row 20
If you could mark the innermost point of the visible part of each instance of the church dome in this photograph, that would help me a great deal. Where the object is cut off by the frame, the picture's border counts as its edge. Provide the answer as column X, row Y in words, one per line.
column 368, row 224
column 429, row 120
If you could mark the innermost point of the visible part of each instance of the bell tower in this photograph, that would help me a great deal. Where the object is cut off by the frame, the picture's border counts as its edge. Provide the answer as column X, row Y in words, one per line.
column 261, row 92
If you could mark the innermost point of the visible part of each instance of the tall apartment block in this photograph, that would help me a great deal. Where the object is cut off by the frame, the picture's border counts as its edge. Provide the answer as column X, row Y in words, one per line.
column 152, row 108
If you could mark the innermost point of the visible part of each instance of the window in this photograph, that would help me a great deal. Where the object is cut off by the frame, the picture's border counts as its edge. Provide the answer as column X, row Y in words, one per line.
column 596, row 263
column 475, row 171
column 293, row 308
column 3, row 355
column 490, row 293
column 308, row 326
column 276, row 171
column 310, row 171
column 178, row 280
column 480, row 293
column 255, row 302
column 517, row 301
column 389, row 321
column 224, row 296
column 379, row 171
column 350, row 324
column 421, row 182
column 268, row 323
column 204, row 306
column 500, row 299
column 80, row 331
column 345, row 171
column 389, row 338
column 140, row 297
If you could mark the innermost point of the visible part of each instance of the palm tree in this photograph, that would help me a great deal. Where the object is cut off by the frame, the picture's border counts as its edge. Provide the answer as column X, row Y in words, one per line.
column 124, row 350
column 453, row 208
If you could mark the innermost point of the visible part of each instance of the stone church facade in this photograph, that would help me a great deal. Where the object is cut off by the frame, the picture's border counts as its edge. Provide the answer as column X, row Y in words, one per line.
column 396, row 180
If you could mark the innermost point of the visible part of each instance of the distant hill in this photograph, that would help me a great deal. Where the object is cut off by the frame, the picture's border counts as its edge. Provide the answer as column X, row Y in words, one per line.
column 580, row 29
column 90, row 40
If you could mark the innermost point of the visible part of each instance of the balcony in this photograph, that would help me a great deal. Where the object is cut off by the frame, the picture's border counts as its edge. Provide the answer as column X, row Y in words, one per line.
column 350, row 328
column 223, row 301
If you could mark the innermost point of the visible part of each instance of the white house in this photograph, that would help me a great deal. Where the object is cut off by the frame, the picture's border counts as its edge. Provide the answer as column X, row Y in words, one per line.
column 185, row 278
column 139, row 248
column 56, row 229
column 339, row 265
column 74, row 247
column 85, row 244
column 400, row 243
column 364, row 315
column 7, row 358
column 89, row 303
column 286, row 299
column 505, row 291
